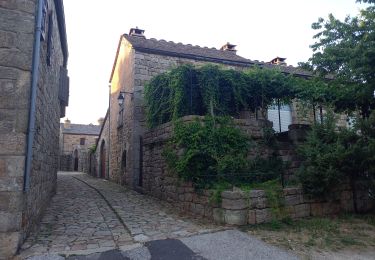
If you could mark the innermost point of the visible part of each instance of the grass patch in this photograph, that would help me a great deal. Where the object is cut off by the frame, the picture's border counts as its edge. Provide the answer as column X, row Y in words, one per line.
column 349, row 232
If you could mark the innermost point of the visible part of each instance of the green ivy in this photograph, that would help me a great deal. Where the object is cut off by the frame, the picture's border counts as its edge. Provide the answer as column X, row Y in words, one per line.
column 211, row 151
column 212, row 90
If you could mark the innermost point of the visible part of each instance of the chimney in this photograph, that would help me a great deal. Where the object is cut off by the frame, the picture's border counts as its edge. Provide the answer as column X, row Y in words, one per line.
column 67, row 124
column 278, row 61
column 101, row 121
column 137, row 32
column 229, row 47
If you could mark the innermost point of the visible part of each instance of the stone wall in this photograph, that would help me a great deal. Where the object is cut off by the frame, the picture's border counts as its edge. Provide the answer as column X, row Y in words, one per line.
column 16, row 34
column 253, row 207
column 69, row 143
column 159, row 182
column 236, row 207
column 66, row 162
column 102, row 145
column 20, row 211
column 132, row 70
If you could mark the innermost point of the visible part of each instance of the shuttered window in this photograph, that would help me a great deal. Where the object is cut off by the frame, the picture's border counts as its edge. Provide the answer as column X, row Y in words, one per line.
column 63, row 90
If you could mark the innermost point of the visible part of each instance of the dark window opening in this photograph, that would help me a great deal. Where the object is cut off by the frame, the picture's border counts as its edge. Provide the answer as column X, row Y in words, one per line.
column 120, row 119
column 82, row 141
column 49, row 40
column 123, row 160
column 44, row 20
column 140, row 181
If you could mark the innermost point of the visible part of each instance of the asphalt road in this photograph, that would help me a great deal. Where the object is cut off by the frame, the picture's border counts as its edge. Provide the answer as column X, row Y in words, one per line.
column 223, row 245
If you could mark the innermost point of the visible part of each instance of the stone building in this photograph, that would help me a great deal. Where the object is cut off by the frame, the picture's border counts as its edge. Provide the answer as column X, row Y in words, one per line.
column 99, row 163
column 138, row 59
column 76, row 142
column 34, row 94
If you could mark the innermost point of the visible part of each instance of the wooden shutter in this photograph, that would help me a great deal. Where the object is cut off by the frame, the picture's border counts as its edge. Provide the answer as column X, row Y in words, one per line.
column 64, row 87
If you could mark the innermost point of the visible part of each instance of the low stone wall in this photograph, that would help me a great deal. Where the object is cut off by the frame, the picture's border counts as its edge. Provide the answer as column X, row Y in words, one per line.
column 66, row 162
column 241, row 208
column 236, row 207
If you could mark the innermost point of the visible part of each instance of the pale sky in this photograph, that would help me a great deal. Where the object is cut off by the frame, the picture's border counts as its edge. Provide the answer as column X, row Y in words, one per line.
column 261, row 30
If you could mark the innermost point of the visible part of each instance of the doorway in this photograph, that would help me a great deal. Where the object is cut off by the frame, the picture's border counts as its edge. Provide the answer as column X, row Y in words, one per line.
column 102, row 159
column 75, row 168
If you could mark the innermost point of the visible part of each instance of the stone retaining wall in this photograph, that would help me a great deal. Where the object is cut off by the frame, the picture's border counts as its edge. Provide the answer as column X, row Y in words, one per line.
column 253, row 207
column 236, row 207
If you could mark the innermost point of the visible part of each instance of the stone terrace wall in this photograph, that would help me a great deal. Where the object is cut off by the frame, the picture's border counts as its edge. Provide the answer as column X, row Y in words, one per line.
column 241, row 208
column 237, row 207
column 158, row 182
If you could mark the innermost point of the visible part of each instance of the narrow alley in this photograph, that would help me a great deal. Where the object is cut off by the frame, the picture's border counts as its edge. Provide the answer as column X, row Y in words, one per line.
column 92, row 218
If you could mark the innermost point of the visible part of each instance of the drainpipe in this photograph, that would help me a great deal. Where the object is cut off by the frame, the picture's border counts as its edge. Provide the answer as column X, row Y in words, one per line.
column 34, row 86
column 109, row 131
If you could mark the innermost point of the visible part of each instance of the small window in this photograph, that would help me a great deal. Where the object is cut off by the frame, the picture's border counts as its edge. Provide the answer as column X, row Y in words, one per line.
column 123, row 160
column 120, row 119
column 82, row 141
column 49, row 40
column 44, row 20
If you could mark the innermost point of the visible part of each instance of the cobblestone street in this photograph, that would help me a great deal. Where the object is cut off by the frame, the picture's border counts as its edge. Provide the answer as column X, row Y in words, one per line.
column 89, row 215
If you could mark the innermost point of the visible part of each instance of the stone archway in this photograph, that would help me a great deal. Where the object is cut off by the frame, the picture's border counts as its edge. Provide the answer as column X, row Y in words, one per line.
column 76, row 160
column 103, row 157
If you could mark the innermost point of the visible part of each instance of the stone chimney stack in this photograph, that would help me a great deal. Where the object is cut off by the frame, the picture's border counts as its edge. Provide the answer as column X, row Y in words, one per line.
column 137, row 32
column 278, row 61
column 229, row 47
column 101, row 121
column 67, row 124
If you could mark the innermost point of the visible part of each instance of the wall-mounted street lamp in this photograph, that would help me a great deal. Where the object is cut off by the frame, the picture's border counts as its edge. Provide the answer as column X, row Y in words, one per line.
column 121, row 97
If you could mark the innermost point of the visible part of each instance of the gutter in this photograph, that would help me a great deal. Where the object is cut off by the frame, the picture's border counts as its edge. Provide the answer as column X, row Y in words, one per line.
column 34, row 87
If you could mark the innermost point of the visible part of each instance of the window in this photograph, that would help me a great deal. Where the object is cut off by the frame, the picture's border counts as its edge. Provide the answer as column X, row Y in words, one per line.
column 82, row 141
column 44, row 20
column 120, row 119
column 280, row 124
column 49, row 40
column 123, row 160
column 63, row 90
column 319, row 117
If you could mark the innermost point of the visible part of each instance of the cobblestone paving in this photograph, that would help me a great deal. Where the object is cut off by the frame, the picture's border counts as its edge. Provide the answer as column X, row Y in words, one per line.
column 148, row 218
column 79, row 220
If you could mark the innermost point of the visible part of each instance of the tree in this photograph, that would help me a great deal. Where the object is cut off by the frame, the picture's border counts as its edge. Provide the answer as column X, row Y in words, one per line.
column 345, row 53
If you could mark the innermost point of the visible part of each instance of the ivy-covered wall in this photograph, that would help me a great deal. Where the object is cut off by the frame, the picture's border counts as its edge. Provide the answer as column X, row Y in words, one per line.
column 236, row 207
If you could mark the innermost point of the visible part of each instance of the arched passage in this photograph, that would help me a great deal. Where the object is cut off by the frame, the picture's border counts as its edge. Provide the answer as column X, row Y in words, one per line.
column 76, row 160
column 102, row 159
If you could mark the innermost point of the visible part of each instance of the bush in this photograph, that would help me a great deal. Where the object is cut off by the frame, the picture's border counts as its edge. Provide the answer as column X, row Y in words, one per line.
column 214, row 151
column 333, row 155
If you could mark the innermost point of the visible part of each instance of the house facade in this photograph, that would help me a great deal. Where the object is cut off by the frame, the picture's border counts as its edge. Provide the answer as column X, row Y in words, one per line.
column 137, row 61
column 76, row 142
column 34, row 93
